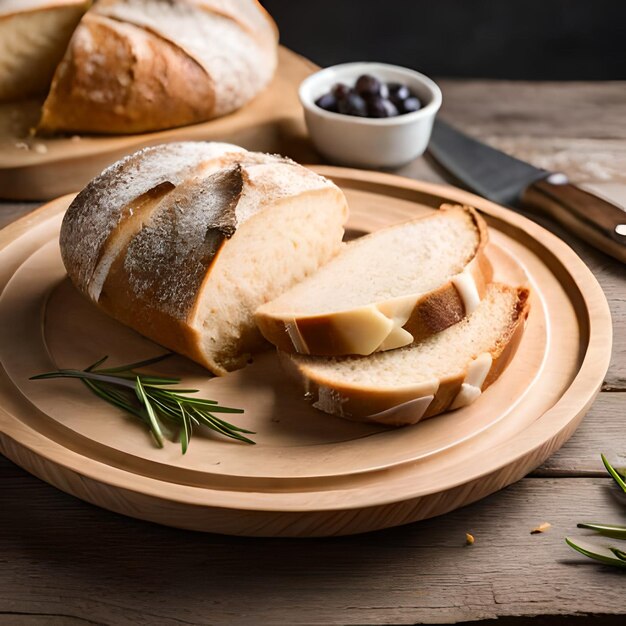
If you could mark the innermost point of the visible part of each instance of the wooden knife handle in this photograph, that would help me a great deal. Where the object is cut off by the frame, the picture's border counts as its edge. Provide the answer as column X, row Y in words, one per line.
column 596, row 221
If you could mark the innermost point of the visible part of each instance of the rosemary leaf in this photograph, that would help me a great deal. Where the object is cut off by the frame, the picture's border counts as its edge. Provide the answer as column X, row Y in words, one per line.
column 147, row 379
column 154, row 423
column 618, row 553
column 115, row 400
column 185, row 432
column 617, row 477
column 608, row 530
column 598, row 553
column 227, row 425
column 215, row 408
column 211, row 422
column 168, row 410
column 96, row 364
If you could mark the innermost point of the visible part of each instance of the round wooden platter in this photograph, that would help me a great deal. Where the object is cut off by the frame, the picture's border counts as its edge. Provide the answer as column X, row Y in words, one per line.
column 310, row 474
column 39, row 168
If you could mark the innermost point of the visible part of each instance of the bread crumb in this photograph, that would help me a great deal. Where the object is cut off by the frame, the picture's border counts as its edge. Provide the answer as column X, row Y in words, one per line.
column 469, row 539
column 541, row 528
column 75, row 138
column 41, row 148
column 21, row 145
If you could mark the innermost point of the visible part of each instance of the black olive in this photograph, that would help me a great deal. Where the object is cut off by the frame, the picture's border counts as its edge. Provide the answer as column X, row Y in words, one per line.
column 376, row 107
column 328, row 102
column 380, row 107
column 367, row 86
column 398, row 92
column 391, row 108
column 340, row 91
column 410, row 105
column 353, row 105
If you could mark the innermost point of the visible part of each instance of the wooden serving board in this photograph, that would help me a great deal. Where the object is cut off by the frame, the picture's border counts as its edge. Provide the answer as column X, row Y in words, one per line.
column 37, row 168
column 310, row 474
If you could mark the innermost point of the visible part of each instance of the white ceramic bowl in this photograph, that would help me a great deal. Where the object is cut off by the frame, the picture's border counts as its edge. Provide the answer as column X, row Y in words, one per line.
column 363, row 141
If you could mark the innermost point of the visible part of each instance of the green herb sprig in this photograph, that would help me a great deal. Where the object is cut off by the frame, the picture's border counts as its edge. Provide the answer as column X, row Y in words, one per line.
column 609, row 554
column 151, row 399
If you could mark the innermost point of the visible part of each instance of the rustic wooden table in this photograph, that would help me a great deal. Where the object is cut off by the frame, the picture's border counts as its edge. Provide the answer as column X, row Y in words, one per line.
column 66, row 562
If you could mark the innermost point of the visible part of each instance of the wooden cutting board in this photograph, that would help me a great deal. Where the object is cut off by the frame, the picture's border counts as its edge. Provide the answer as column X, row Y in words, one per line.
column 33, row 168
column 309, row 474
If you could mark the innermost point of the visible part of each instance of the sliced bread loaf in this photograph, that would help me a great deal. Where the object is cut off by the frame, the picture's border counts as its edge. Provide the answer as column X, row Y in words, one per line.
column 183, row 242
column 446, row 371
column 386, row 290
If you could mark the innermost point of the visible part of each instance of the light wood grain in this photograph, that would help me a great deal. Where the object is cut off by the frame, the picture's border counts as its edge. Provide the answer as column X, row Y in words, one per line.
column 602, row 431
column 612, row 278
column 112, row 570
column 599, row 161
column 576, row 110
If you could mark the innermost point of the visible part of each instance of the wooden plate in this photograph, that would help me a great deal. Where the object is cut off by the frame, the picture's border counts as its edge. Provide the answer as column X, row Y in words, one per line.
column 310, row 473
column 40, row 169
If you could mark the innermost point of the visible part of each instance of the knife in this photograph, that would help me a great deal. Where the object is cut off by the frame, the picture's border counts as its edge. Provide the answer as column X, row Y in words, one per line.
column 507, row 180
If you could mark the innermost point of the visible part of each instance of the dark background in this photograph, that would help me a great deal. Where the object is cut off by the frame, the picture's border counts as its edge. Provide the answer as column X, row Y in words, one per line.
column 516, row 39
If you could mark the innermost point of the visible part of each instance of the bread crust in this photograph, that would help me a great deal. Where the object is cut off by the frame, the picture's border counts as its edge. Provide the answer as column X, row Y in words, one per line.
column 143, row 238
column 147, row 89
column 131, row 67
column 100, row 210
column 385, row 406
column 432, row 312
column 158, row 303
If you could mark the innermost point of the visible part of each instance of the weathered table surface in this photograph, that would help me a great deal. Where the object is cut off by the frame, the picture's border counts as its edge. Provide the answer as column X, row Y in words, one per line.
column 66, row 562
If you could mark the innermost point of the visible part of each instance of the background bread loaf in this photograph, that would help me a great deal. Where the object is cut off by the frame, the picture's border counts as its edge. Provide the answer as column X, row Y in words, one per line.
column 184, row 241
column 141, row 65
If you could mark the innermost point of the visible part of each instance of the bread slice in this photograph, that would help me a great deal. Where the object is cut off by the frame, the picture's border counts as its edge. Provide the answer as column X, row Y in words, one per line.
column 184, row 241
column 33, row 37
column 446, row 371
column 387, row 289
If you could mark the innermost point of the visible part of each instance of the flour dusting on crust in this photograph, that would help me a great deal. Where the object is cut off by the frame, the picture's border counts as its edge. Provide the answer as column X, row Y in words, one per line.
column 239, row 66
column 98, row 208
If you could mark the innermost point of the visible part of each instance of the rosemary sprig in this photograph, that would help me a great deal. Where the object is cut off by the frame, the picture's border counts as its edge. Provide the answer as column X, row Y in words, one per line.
column 151, row 399
column 607, row 553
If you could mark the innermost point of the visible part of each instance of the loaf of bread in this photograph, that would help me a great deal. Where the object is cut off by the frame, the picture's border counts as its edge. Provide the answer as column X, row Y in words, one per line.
column 386, row 290
column 184, row 241
column 445, row 371
column 33, row 37
column 142, row 65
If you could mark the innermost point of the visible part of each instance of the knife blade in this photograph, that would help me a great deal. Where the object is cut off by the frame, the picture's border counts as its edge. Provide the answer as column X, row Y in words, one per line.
column 507, row 180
